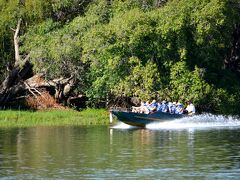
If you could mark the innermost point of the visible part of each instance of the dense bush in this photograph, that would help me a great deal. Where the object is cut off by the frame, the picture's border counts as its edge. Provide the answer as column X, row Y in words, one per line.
column 173, row 50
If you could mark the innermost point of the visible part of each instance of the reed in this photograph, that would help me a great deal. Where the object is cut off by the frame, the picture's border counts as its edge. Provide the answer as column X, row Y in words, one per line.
column 14, row 118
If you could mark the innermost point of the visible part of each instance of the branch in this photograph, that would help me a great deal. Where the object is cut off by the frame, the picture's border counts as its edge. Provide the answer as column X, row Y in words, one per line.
column 16, row 43
column 26, row 58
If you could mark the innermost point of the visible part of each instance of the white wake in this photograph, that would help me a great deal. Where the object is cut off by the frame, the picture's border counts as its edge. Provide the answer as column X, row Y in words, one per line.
column 203, row 121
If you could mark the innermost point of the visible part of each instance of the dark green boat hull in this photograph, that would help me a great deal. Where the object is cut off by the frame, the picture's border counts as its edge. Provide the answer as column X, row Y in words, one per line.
column 141, row 120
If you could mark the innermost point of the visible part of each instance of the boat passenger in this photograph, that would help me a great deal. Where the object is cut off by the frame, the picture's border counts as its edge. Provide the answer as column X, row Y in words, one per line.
column 190, row 108
column 159, row 106
column 134, row 109
column 146, row 108
column 139, row 108
column 164, row 106
column 179, row 108
column 171, row 108
column 142, row 107
column 153, row 106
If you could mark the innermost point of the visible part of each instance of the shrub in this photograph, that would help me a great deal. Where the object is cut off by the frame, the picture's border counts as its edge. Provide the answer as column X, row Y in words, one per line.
column 43, row 101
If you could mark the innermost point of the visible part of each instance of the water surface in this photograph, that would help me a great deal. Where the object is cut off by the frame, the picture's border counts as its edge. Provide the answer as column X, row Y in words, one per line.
column 202, row 148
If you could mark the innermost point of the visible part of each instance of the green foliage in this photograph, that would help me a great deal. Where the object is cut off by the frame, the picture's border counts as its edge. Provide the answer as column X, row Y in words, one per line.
column 7, row 13
column 173, row 50
column 112, row 50
column 32, row 13
column 222, row 101
column 51, row 52
column 188, row 85
column 142, row 81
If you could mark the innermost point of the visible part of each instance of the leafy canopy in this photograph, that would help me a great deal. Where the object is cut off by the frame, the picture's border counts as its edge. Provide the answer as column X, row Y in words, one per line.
column 175, row 50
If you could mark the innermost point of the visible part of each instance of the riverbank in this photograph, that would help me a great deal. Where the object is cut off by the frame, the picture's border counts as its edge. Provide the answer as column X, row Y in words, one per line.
column 14, row 118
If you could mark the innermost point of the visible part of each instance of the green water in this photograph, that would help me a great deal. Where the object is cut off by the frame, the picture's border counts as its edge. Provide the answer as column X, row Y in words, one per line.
column 100, row 152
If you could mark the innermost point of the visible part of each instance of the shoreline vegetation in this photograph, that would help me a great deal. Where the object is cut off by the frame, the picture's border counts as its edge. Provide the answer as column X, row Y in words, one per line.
column 99, row 53
column 20, row 118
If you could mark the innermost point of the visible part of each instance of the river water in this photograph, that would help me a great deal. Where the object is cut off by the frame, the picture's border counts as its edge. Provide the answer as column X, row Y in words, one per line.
column 202, row 147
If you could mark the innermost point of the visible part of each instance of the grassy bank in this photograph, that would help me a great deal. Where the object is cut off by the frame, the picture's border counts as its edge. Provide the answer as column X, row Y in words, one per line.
column 14, row 118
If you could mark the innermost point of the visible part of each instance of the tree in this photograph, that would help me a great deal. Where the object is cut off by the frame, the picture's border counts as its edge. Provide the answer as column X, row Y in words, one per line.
column 20, row 69
column 172, row 49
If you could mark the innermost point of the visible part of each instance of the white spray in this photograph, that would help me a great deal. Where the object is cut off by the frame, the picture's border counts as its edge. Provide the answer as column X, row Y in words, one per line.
column 203, row 121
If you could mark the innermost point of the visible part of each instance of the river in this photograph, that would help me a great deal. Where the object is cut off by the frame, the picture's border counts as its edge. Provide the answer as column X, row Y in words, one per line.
column 204, row 147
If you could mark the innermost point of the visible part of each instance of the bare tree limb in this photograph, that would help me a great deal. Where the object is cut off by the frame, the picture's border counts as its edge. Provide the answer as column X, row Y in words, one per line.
column 16, row 43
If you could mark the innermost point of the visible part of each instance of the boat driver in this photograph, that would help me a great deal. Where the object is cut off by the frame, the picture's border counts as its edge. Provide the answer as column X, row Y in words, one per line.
column 190, row 108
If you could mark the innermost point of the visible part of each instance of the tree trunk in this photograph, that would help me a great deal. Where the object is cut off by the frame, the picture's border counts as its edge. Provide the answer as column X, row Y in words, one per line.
column 232, row 61
column 12, row 84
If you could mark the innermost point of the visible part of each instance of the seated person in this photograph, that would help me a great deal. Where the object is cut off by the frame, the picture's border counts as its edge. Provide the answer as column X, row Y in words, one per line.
column 190, row 108
column 153, row 106
column 138, row 109
column 145, row 108
column 179, row 108
column 172, row 107
column 164, row 106
column 159, row 106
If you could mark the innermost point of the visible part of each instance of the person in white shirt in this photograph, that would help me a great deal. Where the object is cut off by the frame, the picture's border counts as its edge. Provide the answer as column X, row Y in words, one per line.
column 190, row 108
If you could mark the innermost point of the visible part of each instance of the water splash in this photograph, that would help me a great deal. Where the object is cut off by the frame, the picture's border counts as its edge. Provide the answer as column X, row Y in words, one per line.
column 122, row 125
column 203, row 121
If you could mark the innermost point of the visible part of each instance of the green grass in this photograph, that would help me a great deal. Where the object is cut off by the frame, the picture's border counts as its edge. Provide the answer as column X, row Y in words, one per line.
column 14, row 118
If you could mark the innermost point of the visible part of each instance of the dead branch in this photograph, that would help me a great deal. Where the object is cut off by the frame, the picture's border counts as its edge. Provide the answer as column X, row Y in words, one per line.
column 16, row 43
